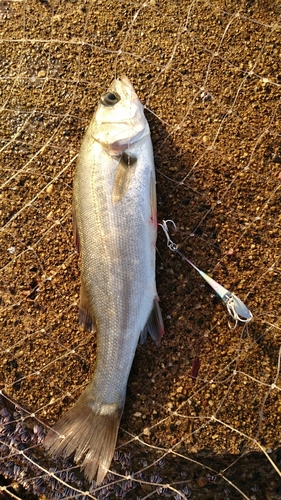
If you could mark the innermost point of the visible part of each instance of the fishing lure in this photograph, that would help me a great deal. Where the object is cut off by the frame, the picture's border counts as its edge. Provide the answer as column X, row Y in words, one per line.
column 236, row 308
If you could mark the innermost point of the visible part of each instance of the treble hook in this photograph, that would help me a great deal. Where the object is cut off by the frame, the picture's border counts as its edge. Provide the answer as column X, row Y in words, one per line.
column 236, row 308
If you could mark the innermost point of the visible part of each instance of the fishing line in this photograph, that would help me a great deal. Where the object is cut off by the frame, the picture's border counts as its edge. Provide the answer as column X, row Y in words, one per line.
column 236, row 308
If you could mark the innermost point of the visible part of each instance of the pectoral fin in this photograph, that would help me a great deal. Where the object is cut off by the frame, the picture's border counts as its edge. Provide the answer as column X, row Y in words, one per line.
column 124, row 174
column 154, row 325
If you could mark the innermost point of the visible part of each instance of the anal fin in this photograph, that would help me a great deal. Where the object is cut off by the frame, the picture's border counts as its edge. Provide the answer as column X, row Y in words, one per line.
column 154, row 325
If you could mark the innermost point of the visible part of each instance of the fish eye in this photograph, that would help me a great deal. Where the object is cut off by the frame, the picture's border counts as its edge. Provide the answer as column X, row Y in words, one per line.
column 109, row 99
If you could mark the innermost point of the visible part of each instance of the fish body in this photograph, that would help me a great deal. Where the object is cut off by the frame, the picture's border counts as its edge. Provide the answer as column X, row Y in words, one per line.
column 115, row 226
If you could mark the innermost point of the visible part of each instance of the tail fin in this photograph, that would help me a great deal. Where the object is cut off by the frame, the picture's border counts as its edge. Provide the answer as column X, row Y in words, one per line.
column 89, row 432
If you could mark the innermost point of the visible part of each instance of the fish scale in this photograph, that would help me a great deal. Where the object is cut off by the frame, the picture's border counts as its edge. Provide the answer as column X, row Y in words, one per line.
column 115, row 226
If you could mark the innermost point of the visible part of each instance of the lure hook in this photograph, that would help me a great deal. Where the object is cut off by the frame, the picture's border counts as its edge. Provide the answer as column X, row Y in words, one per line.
column 170, row 244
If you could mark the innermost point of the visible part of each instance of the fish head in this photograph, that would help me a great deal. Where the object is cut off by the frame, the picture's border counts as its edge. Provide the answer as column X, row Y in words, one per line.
column 119, row 120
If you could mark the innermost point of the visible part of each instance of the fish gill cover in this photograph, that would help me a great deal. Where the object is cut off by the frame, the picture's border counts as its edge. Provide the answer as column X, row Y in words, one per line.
column 202, row 414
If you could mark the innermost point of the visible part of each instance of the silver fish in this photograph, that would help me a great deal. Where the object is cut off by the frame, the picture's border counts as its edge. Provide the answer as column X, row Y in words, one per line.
column 115, row 226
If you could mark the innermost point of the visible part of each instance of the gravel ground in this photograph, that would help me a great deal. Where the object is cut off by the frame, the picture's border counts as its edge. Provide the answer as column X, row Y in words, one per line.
column 209, row 76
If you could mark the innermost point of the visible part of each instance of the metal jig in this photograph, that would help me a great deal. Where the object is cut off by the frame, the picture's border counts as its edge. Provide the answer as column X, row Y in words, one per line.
column 236, row 308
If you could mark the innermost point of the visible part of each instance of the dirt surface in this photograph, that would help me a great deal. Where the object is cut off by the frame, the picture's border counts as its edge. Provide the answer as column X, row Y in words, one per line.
column 209, row 77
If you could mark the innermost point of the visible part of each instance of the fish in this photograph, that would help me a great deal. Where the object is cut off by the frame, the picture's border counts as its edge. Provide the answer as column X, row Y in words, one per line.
column 115, row 231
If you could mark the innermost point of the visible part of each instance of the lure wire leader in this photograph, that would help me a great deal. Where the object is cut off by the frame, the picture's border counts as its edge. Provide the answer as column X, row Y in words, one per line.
column 235, row 307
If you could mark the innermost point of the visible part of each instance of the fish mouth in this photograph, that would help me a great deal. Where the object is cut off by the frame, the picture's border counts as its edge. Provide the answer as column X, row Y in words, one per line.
column 123, row 87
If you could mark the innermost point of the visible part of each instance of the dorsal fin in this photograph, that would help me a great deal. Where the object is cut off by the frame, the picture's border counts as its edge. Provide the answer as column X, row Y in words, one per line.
column 75, row 231
column 85, row 316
